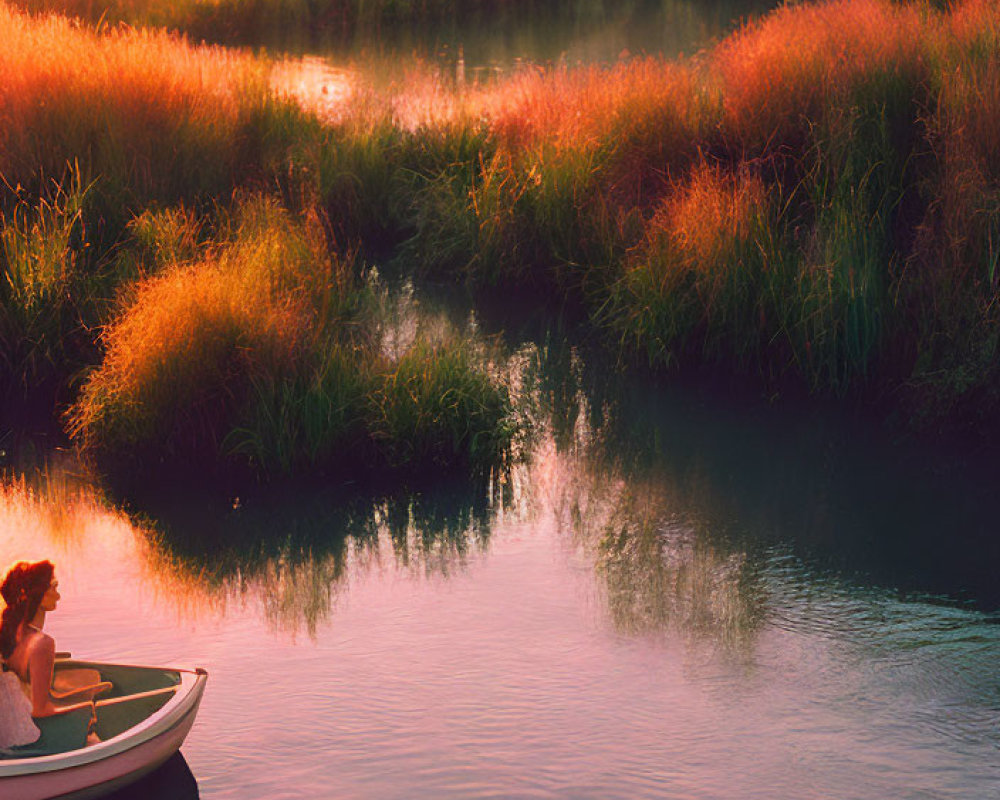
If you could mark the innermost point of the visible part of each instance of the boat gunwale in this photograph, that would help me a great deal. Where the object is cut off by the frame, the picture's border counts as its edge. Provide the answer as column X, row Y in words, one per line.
column 186, row 698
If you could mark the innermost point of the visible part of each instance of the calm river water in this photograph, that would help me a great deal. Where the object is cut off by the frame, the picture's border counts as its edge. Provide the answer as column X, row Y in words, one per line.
column 583, row 31
column 674, row 598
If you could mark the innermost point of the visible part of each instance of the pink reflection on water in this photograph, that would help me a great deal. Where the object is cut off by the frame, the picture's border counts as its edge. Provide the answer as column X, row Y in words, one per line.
column 436, row 671
column 422, row 96
column 315, row 84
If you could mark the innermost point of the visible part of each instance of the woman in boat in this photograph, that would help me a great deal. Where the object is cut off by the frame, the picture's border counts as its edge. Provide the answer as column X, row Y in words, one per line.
column 30, row 591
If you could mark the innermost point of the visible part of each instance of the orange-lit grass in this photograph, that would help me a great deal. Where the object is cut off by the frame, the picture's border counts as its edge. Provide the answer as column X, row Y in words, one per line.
column 770, row 280
column 567, row 156
column 553, row 177
column 141, row 109
column 623, row 131
column 695, row 283
column 789, row 69
column 591, row 106
column 178, row 359
column 262, row 354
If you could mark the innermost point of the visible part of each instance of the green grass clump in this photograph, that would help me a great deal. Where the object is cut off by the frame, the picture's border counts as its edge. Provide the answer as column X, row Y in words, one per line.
column 361, row 178
column 312, row 418
column 438, row 406
column 47, row 290
column 179, row 359
column 166, row 236
column 262, row 355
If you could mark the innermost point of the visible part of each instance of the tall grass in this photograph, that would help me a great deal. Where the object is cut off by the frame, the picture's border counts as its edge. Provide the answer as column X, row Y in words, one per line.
column 242, row 339
column 146, row 113
column 697, row 282
column 46, row 289
column 813, row 200
column 571, row 155
column 179, row 360
column 809, row 200
column 780, row 75
column 262, row 355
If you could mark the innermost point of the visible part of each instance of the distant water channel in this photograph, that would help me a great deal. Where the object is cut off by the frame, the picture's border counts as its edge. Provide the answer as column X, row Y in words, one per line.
column 323, row 71
column 502, row 35
column 674, row 597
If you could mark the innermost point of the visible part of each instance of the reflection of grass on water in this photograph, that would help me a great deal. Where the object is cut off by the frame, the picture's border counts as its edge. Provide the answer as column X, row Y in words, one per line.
column 662, row 564
column 661, row 569
column 663, row 574
column 292, row 554
column 47, row 501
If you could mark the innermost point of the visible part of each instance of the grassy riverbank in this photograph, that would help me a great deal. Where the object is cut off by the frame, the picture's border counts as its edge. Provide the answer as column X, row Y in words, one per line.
column 139, row 236
column 811, row 203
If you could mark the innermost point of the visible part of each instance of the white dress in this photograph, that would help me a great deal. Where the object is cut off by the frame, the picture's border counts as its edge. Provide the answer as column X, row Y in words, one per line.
column 16, row 725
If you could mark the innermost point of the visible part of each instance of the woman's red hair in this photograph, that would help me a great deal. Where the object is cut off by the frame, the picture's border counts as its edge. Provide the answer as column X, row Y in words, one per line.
column 22, row 590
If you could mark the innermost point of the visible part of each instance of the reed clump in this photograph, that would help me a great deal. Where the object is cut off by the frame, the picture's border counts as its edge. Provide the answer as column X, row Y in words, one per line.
column 572, row 158
column 149, row 116
column 179, row 358
column 699, row 279
column 261, row 355
column 436, row 405
column 49, row 271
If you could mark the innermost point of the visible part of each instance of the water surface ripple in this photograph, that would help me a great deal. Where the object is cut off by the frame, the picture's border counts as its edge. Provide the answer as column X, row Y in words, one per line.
column 592, row 637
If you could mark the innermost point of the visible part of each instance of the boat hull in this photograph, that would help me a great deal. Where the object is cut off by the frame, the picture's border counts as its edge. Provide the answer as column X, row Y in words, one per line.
column 125, row 759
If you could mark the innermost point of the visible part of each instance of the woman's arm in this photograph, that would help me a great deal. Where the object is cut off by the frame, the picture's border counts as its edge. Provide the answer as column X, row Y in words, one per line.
column 41, row 661
column 88, row 691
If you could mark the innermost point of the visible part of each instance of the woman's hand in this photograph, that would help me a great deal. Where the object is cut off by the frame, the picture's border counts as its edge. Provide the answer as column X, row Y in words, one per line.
column 83, row 692
column 103, row 686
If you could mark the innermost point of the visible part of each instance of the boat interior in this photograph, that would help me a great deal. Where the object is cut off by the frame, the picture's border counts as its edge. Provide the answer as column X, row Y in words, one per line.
column 136, row 694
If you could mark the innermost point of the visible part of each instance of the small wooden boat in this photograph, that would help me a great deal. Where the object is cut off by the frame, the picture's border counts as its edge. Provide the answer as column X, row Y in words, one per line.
column 141, row 722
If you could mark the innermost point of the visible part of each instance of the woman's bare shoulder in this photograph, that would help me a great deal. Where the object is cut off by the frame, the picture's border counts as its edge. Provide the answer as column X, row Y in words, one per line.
column 34, row 644
column 42, row 642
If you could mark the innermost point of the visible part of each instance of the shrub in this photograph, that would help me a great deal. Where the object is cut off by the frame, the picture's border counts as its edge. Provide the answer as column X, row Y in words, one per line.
column 438, row 407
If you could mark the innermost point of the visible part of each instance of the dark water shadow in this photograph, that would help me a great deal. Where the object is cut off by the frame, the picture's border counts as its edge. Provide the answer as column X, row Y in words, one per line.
column 831, row 484
column 172, row 781
column 827, row 481
column 499, row 36
column 292, row 549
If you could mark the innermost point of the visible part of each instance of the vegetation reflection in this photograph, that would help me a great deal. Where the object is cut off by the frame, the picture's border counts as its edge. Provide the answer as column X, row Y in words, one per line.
column 292, row 556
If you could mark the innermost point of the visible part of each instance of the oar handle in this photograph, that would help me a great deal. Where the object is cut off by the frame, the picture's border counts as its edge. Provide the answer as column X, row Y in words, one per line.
column 114, row 701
